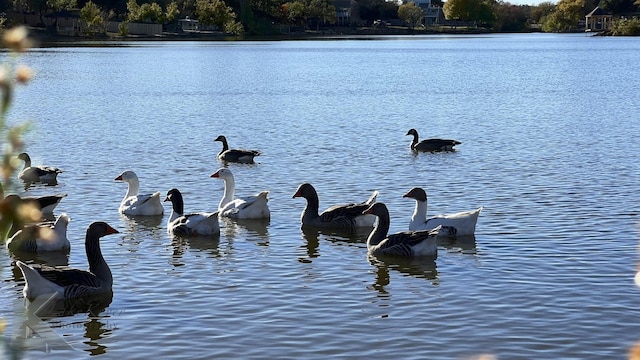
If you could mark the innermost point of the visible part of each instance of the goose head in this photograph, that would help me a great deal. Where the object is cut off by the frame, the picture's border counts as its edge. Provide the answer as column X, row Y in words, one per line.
column 306, row 191
column 413, row 132
column 223, row 173
column 378, row 209
column 26, row 158
column 177, row 202
column 417, row 194
column 100, row 229
column 127, row 176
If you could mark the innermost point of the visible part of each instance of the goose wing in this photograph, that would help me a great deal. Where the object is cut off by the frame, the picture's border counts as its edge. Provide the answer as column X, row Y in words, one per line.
column 67, row 276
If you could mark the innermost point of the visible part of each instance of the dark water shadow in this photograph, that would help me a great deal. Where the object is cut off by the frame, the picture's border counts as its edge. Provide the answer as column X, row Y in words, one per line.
column 463, row 244
column 311, row 237
column 208, row 245
column 49, row 258
column 418, row 267
column 251, row 229
column 138, row 228
column 29, row 185
column 43, row 315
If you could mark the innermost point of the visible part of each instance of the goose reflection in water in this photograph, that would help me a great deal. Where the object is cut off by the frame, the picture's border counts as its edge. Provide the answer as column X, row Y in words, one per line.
column 253, row 229
column 464, row 244
column 137, row 225
column 423, row 268
column 44, row 314
column 206, row 245
column 95, row 330
column 312, row 236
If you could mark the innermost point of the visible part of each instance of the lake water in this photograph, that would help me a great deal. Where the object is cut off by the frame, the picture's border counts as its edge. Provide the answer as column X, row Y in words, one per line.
column 549, row 130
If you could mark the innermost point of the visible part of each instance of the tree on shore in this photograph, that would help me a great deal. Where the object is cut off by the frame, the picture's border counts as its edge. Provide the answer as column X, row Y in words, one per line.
column 566, row 16
column 411, row 14
column 480, row 11
column 94, row 18
column 217, row 12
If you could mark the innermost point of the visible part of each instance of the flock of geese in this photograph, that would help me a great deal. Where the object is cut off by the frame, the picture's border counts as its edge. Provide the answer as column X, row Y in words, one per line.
column 65, row 283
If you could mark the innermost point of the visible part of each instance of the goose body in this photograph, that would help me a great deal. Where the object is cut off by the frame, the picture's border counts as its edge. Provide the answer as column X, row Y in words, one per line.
column 135, row 203
column 404, row 244
column 41, row 238
column 248, row 207
column 431, row 145
column 35, row 174
column 235, row 155
column 192, row 224
column 66, row 283
column 45, row 203
column 464, row 222
column 18, row 211
column 346, row 217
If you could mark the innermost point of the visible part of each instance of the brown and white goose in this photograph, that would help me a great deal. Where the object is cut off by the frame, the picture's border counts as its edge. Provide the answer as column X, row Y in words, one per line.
column 235, row 155
column 464, row 221
column 66, row 283
column 406, row 243
column 345, row 217
column 36, row 174
column 37, row 238
column 431, row 145
column 193, row 224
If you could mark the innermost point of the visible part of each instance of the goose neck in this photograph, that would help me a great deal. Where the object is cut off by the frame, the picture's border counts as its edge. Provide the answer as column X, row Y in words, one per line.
column 420, row 212
column 379, row 232
column 133, row 188
column 229, row 191
column 311, row 209
column 97, row 265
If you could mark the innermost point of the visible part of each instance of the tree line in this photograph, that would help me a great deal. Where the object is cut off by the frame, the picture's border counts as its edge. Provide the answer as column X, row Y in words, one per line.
column 263, row 17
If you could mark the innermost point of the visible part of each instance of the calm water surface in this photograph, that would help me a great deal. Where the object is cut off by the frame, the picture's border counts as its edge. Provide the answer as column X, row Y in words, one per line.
column 549, row 130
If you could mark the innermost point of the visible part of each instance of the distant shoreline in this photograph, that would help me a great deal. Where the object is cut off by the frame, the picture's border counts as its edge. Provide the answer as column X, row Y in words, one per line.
column 47, row 38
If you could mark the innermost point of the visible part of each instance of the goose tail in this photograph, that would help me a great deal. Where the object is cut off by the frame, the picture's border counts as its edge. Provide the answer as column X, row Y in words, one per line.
column 264, row 194
column 372, row 199
column 35, row 285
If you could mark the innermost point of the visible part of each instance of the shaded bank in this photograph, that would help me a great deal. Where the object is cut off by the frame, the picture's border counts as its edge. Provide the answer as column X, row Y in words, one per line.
column 46, row 37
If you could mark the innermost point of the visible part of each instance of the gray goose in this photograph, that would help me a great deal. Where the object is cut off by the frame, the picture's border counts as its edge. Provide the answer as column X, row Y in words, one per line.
column 346, row 217
column 36, row 174
column 404, row 244
column 431, row 145
column 66, row 283
column 235, row 155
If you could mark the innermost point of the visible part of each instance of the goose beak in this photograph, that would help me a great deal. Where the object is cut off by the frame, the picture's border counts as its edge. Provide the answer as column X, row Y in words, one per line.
column 111, row 230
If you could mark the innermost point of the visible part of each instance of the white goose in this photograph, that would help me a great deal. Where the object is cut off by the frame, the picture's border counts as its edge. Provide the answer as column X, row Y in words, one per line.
column 464, row 222
column 39, row 238
column 194, row 224
column 404, row 244
column 134, row 203
column 249, row 207
column 36, row 174
column 65, row 283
